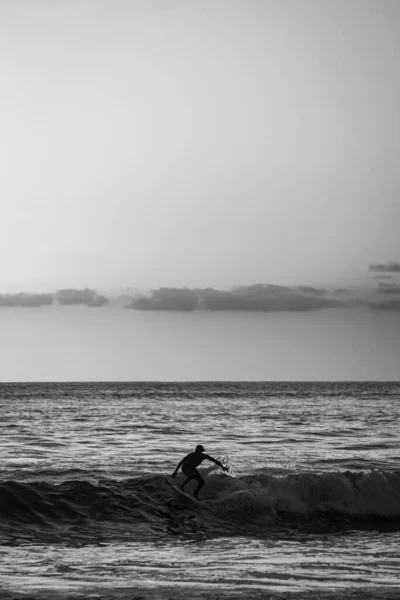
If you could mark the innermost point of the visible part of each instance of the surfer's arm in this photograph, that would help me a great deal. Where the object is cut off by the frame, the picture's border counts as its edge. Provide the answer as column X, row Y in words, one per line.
column 174, row 474
column 214, row 460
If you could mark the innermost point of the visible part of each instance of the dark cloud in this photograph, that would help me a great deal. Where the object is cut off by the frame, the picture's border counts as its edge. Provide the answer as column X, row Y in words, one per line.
column 249, row 299
column 388, row 288
column 262, row 289
column 383, row 277
column 23, row 299
column 392, row 305
column 254, row 298
column 85, row 296
column 306, row 289
column 390, row 267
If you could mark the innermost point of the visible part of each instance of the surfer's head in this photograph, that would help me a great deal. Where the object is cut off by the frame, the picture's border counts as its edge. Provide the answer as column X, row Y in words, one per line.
column 199, row 448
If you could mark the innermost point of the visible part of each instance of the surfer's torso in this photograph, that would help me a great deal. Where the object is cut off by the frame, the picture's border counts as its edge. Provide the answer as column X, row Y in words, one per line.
column 194, row 459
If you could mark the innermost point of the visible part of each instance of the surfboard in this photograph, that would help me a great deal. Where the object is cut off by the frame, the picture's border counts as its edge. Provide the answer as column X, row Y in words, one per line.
column 184, row 494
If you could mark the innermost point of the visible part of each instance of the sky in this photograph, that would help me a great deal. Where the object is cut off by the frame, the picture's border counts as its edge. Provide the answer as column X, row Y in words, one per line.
column 105, row 344
column 186, row 143
column 207, row 145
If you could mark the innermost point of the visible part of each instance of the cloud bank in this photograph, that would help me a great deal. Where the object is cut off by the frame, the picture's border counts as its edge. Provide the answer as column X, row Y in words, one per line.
column 390, row 267
column 85, row 296
column 387, row 305
column 254, row 298
column 383, row 277
column 388, row 288
column 23, row 299
column 259, row 297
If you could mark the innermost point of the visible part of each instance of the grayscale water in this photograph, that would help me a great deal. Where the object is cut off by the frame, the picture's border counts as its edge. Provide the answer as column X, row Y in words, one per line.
column 309, row 507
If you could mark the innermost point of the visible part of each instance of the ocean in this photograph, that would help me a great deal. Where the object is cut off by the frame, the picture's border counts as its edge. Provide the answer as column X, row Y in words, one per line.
column 310, row 506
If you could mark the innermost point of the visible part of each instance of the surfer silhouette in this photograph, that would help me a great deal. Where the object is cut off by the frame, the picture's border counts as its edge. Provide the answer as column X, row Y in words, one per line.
column 189, row 466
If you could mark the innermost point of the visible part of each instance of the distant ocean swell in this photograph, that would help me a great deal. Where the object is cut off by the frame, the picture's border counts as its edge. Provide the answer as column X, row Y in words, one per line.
column 257, row 504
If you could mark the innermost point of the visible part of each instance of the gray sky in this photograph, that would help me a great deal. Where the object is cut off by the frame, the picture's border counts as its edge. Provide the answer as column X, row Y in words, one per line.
column 214, row 142
column 80, row 344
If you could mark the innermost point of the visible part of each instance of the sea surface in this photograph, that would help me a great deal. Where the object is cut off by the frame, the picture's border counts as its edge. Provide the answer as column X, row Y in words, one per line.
column 310, row 506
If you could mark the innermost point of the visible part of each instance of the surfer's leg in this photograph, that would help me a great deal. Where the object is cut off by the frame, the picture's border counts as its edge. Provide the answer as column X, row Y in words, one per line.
column 185, row 482
column 198, row 478
column 188, row 471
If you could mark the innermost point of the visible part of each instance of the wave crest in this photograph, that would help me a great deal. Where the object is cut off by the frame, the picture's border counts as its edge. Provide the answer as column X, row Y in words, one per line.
column 251, row 503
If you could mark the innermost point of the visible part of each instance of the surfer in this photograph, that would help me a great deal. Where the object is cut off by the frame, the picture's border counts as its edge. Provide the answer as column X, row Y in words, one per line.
column 189, row 466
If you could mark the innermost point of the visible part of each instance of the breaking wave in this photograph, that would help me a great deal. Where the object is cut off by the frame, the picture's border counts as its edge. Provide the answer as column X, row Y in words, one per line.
column 259, row 504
